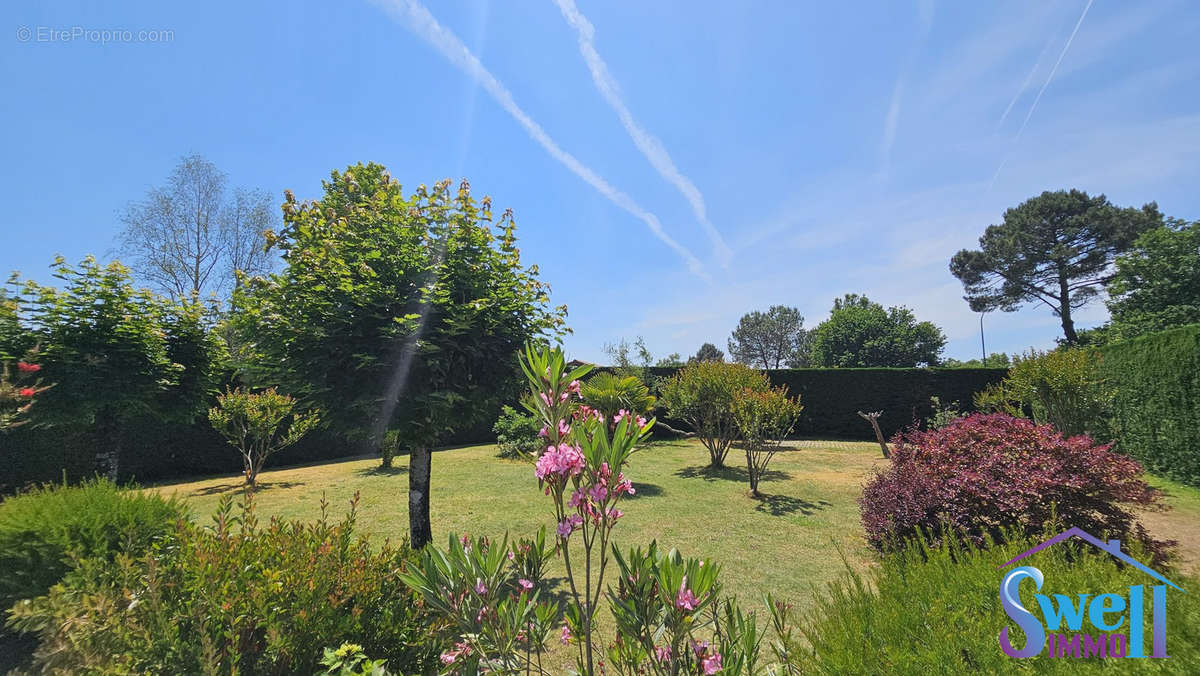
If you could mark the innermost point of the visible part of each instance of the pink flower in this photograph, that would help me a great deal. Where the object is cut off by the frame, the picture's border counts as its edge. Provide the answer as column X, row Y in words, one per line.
column 511, row 556
column 569, row 524
column 574, row 387
column 711, row 664
column 525, row 584
column 565, row 637
column 662, row 653
column 480, row 587
column 576, row 498
column 699, row 647
column 685, row 599
column 544, row 431
column 620, row 414
column 546, row 399
column 27, row 392
column 26, row 367
column 449, row 656
column 598, row 492
column 563, row 428
column 641, row 422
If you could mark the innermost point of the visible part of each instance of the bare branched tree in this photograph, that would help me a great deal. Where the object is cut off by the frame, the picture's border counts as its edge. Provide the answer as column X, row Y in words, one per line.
column 188, row 239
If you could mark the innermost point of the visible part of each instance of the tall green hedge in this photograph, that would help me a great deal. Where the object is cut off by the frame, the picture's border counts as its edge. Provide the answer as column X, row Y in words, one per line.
column 1156, row 411
column 833, row 397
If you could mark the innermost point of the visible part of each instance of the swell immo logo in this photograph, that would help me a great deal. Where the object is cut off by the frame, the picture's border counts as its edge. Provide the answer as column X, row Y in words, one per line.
column 1101, row 625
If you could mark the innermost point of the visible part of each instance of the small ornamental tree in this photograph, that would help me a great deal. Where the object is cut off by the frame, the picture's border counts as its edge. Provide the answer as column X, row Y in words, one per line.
column 990, row 475
column 702, row 395
column 764, row 418
column 259, row 424
column 1063, row 388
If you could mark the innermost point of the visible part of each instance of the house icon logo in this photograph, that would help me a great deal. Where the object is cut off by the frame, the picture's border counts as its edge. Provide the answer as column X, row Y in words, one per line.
column 1117, row 620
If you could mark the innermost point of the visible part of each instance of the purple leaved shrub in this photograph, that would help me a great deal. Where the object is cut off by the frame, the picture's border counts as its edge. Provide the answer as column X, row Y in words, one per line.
column 989, row 476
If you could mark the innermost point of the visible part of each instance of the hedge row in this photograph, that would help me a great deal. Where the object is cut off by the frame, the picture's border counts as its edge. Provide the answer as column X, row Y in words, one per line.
column 833, row 397
column 1156, row 412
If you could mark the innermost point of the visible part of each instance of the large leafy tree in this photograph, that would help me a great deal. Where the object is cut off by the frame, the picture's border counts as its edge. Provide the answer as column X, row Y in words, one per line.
column 1056, row 249
column 862, row 333
column 770, row 339
column 1157, row 282
column 707, row 352
column 116, row 353
column 395, row 312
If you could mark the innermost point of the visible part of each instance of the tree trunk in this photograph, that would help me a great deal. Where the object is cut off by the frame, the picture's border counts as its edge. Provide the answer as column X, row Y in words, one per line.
column 1068, row 326
column 1064, row 312
column 873, row 418
column 752, row 473
column 420, row 533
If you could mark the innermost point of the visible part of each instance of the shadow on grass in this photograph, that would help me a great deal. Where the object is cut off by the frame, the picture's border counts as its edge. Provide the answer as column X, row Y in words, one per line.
column 728, row 473
column 382, row 471
column 238, row 487
column 644, row 491
column 782, row 505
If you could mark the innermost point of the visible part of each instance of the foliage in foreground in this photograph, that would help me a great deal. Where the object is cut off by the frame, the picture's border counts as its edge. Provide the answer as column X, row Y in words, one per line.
column 987, row 475
column 235, row 598
column 46, row 531
column 937, row 610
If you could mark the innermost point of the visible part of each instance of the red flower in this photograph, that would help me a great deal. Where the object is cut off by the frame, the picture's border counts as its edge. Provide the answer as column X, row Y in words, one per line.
column 27, row 392
column 26, row 367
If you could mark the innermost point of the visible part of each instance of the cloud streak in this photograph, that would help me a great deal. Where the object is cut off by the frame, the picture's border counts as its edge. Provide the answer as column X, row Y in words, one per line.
column 414, row 16
column 647, row 143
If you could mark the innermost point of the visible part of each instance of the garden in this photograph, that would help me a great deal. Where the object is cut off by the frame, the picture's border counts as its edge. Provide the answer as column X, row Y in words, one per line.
column 378, row 459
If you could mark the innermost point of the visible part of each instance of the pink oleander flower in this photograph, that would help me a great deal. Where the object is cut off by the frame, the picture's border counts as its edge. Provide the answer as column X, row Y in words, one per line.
column 574, row 387
column 620, row 414
column 598, row 492
column 641, row 422
column 662, row 653
column 480, row 587
column 544, row 432
column 563, row 429
column 711, row 664
column 565, row 637
column 26, row 367
column 449, row 657
column 569, row 524
column 699, row 647
column 685, row 599
column 576, row 499
column 525, row 584
column 27, row 392
column 511, row 556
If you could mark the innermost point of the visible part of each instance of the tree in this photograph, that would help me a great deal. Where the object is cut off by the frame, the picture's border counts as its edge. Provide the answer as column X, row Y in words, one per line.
column 104, row 346
column 770, row 339
column 707, row 352
column 995, row 360
column 611, row 393
column 671, row 360
column 258, row 425
column 764, row 419
column 1157, row 282
column 189, row 239
column 702, row 395
column 395, row 312
column 861, row 333
column 1056, row 249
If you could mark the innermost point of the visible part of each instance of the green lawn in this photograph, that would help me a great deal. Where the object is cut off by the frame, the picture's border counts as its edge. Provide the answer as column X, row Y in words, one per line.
column 787, row 542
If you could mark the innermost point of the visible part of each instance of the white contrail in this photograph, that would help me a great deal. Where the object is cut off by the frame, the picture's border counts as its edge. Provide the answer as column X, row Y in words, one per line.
column 417, row 18
column 1041, row 91
column 1025, row 84
column 646, row 142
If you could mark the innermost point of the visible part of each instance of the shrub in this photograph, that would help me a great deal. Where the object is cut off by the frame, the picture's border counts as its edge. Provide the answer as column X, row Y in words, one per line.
column 984, row 475
column 517, row 434
column 17, row 393
column 1063, row 387
column 259, row 425
column 764, row 418
column 44, row 532
column 943, row 414
column 881, row 622
column 610, row 392
column 702, row 395
column 235, row 598
column 1156, row 409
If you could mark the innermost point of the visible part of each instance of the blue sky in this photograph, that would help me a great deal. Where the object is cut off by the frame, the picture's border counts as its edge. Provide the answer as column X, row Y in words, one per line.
column 784, row 152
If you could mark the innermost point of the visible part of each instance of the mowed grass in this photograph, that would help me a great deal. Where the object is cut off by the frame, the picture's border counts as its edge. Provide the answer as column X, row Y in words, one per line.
column 791, row 542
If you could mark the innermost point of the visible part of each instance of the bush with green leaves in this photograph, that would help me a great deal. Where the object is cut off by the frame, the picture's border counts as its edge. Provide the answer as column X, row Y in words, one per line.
column 611, row 393
column 259, row 424
column 45, row 532
column 517, row 434
column 943, row 414
column 1063, row 387
column 879, row 622
column 235, row 597
column 702, row 395
column 764, row 419
column 349, row 659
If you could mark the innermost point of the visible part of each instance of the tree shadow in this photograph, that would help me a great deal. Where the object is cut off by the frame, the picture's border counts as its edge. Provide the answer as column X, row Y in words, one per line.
column 382, row 471
column 728, row 473
column 642, row 490
column 220, row 489
column 782, row 505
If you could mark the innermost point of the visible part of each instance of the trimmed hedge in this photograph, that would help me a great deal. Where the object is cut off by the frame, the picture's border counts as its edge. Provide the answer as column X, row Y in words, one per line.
column 833, row 397
column 1156, row 409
